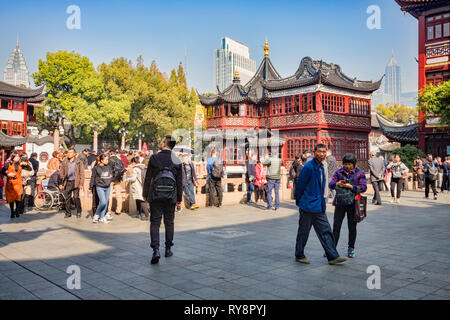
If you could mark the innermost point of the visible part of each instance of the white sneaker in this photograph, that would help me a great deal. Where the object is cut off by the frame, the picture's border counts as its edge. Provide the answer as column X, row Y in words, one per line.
column 397, row 200
column 109, row 217
column 392, row 200
column 96, row 217
column 103, row 220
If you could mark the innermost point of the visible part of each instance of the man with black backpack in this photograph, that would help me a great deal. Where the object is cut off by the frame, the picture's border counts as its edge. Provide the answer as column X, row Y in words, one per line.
column 215, row 173
column 431, row 172
column 163, row 189
column 118, row 171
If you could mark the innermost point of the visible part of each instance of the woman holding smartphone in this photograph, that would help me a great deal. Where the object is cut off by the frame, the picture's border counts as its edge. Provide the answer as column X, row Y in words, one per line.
column 348, row 182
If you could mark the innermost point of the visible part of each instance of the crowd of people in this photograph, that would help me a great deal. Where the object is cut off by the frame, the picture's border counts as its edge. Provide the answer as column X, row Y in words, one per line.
column 157, row 184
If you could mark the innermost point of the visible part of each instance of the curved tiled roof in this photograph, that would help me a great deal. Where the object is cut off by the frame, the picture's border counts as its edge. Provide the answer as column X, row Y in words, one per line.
column 406, row 133
column 235, row 93
column 11, row 141
column 313, row 72
column 11, row 91
column 266, row 72
column 415, row 7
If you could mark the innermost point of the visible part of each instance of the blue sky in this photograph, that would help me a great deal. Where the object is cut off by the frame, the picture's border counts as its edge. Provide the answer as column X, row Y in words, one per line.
column 332, row 30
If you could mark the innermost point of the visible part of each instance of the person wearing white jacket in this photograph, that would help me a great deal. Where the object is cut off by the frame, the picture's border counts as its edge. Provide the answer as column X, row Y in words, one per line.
column 136, row 187
column 399, row 171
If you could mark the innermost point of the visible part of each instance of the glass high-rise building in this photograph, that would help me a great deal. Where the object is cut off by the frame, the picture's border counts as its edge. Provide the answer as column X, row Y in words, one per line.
column 230, row 57
column 392, row 81
column 16, row 70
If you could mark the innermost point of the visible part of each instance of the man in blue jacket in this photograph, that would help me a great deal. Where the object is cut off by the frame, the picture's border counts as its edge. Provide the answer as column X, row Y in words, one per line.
column 309, row 196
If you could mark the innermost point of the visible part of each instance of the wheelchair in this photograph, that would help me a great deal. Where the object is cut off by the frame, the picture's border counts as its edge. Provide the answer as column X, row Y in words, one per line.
column 47, row 199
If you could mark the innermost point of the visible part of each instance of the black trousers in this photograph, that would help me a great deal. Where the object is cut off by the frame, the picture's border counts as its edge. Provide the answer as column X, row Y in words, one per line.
column 17, row 210
column 215, row 186
column 339, row 214
column 323, row 231
column 428, row 183
column 420, row 178
column 396, row 182
column 157, row 211
column 445, row 183
column 377, row 187
column 70, row 192
column 142, row 208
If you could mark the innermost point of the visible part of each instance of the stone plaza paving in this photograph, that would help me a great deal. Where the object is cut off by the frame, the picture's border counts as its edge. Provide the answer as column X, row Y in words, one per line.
column 235, row 252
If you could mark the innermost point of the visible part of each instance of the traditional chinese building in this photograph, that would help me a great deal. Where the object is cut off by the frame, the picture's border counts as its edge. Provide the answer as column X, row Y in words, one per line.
column 16, row 115
column 318, row 103
column 434, row 60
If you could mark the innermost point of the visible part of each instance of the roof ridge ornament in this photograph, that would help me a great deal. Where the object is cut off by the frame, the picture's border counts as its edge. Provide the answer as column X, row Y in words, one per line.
column 266, row 48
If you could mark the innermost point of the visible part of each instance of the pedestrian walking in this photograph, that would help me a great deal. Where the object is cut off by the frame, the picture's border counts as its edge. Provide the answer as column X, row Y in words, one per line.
column 273, row 164
column 377, row 174
column 431, row 173
column 295, row 169
column 214, row 168
column 418, row 173
column 250, row 177
column 260, row 182
column 27, row 174
column 348, row 181
column 101, row 178
column 189, row 182
column 438, row 164
column 72, row 177
column 118, row 172
column 14, row 184
column 332, row 166
column 310, row 199
column 83, row 157
column 136, row 187
column 399, row 171
column 163, row 189
column 33, row 178
column 446, row 175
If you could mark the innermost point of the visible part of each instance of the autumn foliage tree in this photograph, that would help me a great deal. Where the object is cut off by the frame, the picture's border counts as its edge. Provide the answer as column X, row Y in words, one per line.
column 435, row 100
column 116, row 94
column 397, row 113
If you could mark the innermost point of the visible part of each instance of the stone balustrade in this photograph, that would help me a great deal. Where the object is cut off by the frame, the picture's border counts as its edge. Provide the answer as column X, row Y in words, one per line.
column 235, row 189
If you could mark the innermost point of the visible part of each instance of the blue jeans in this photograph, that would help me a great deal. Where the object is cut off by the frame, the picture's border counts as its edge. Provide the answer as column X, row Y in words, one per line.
column 189, row 193
column 271, row 184
column 323, row 231
column 251, row 188
column 103, row 196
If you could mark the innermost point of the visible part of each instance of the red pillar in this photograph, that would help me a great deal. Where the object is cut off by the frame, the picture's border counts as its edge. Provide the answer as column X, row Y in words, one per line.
column 422, row 78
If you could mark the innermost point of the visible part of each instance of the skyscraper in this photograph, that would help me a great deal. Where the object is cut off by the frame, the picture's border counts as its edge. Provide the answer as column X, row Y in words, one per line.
column 230, row 57
column 392, row 83
column 16, row 71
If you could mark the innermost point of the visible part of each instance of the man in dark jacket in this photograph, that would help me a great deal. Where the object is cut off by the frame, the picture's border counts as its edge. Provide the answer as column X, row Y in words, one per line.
column 35, row 164
column 310, row 198
column 158, row 209
column 83, row 157
column 377, row 173
column 71, row 173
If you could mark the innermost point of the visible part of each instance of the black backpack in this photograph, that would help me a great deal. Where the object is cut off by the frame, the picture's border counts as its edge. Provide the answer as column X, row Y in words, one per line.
column 433, row 172
column 164, row 185
column 217, row 169
column 118, row 170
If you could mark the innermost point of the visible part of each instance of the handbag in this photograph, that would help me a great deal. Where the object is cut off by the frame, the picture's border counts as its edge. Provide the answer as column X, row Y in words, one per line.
column 360, row 208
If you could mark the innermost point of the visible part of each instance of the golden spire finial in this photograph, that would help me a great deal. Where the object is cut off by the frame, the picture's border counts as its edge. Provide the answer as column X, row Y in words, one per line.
column 236, row 74
column 266, row 49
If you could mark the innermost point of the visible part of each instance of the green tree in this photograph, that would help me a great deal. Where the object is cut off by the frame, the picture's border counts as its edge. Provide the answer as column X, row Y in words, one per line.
column 397, row 113
column 73, row 83
column 408, row 154
column 435, row 100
